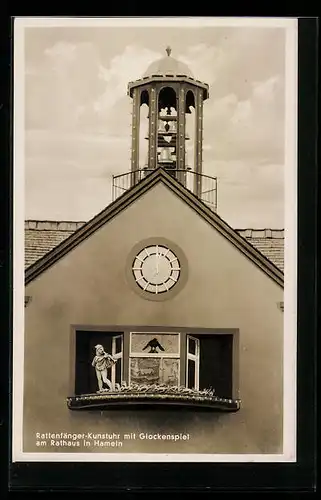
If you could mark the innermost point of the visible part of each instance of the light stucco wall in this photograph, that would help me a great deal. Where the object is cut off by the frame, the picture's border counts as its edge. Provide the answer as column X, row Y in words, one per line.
column 224, row 290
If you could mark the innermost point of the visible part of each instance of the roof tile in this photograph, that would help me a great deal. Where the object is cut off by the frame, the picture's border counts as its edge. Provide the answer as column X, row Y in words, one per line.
column 43, row 236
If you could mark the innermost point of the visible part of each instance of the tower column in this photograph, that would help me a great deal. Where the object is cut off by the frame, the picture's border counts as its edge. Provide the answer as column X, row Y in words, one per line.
column 153, row 126
column 181, row 134
column 135, row 136
column 198, row 142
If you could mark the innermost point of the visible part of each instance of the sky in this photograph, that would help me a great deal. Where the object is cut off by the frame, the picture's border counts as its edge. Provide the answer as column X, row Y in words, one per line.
column 78, row 115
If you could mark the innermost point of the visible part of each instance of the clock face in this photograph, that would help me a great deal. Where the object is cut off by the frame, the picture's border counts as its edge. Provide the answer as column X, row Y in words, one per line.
column 156, row 269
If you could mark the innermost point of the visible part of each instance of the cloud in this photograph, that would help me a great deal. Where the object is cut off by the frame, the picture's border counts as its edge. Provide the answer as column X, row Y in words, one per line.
column 75, row 169
column 201, row 59
column 80, row 198
column 73, row 89
column 249, row 194
column 78, row 117
column 62, row 53
column 64, row 86
column 127, row 66
column 252, row 128
column 92, row 155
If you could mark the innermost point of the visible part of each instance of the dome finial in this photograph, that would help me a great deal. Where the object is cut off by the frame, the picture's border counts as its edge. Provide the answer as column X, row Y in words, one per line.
column 168, row 50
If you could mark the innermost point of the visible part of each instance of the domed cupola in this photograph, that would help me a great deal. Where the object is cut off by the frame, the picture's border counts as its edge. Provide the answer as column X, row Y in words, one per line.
column 168, row 66
column 171, row 93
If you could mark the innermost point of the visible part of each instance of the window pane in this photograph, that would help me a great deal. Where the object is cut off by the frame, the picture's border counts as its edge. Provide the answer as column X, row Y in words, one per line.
column 190, row 374
column 145, row 370
column 156, row 343
column 191, row 346
column 118, row 341
column 169, row 371
column 154, row 371
column 118, row 372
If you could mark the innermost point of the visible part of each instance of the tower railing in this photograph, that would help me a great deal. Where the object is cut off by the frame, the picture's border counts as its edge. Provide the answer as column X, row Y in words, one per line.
column 207, row 185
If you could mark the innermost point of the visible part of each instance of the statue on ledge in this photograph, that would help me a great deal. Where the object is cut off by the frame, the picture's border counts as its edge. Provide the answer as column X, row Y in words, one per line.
column 101, row 362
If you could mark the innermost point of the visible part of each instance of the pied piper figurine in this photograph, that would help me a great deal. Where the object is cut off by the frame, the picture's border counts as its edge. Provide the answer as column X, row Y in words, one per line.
column 101, row 362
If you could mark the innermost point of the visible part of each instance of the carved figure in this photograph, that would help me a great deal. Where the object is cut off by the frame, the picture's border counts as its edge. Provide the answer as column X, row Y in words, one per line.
column 101, row 362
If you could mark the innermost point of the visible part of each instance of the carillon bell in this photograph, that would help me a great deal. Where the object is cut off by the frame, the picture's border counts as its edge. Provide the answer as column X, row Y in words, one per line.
column 170, row 91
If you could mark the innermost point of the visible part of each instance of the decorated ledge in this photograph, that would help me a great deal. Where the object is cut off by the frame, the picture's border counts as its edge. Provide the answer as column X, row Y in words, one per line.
column 153, row 395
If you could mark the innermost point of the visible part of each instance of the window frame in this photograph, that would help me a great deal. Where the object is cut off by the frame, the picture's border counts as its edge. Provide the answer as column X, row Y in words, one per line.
column 159, row 355
column 195, row 358
column 118, row 356
column 183, row 331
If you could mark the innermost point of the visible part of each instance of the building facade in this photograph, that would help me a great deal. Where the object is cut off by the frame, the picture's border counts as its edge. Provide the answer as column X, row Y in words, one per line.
column 188, row 308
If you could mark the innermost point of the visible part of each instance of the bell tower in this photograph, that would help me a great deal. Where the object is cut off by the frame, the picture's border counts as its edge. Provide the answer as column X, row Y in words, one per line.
column 170, row 92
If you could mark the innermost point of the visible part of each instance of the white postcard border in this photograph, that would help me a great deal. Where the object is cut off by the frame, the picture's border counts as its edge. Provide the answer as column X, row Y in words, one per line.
column 290, row 250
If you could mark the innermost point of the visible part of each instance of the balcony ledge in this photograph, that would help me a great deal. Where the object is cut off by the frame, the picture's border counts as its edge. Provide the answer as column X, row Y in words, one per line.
column 153, row 396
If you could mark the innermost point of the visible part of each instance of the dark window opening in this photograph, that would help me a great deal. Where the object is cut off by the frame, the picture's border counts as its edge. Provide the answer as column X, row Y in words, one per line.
column 118, row 343
column 85, row 375
column 167, row 130
column 216, row 358
column 191, row 374
column 192, row 346
column 210, row 363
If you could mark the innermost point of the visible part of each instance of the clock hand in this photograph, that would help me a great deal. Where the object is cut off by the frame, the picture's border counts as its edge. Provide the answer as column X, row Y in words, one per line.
column 157, row 261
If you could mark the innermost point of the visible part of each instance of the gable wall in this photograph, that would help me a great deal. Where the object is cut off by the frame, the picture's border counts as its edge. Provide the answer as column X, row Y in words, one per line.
column 89, row 286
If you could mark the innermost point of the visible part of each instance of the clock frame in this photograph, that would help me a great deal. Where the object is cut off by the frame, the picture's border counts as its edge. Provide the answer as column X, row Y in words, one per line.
column 156, row 268
column 178, row 271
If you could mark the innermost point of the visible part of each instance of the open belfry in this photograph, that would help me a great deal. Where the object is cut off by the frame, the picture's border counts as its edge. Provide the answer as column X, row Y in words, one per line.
column 171, row 94
column 156, row 302
column 169, row 90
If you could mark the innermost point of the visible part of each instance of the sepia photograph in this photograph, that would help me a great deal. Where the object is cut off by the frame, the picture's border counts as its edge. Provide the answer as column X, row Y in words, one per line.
column 155, row 212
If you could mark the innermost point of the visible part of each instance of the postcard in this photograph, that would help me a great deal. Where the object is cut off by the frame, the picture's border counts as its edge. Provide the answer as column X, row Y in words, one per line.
column 155, row 209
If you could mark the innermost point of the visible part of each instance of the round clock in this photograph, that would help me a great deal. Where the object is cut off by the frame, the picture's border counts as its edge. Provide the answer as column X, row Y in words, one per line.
column 156, row 269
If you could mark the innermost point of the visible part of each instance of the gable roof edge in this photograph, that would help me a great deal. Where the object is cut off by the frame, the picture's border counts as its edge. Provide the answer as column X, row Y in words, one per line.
column 127, row 199
column 228, row 232
column 89, row 227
